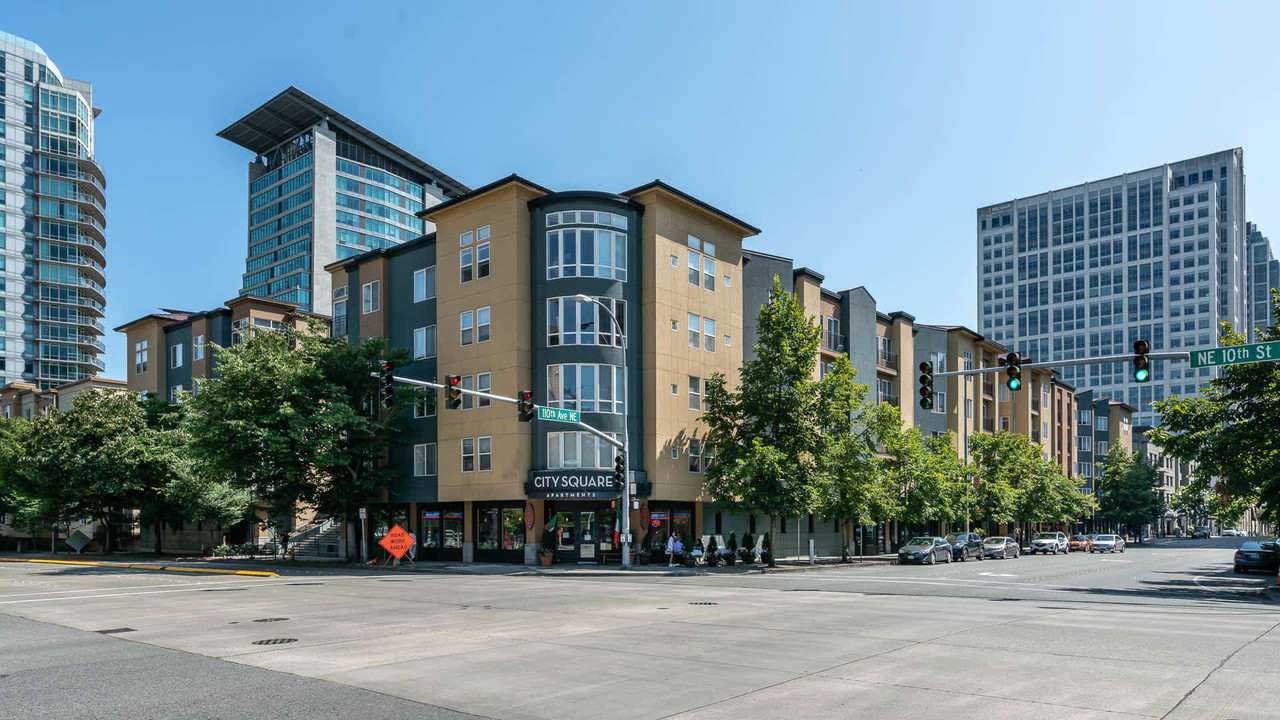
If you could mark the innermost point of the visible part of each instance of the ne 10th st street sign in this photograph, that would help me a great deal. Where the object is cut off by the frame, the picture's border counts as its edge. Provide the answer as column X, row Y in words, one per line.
column 546, row 413
column 1236, row 354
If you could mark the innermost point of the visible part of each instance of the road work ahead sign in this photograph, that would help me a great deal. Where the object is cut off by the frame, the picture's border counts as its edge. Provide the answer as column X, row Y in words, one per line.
column 397, row 542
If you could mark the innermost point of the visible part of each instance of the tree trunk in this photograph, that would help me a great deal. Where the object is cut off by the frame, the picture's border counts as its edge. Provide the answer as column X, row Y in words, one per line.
column 53, row 539
column 773, row 538
column 159, row 529
column 111, row 534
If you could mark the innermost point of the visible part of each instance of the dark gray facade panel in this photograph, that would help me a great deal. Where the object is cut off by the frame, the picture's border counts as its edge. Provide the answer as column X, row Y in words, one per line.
column 403, row 317
column 757, row 280
column 179, row 375
column 930, row 340
column 543, row 289
column 859, row 316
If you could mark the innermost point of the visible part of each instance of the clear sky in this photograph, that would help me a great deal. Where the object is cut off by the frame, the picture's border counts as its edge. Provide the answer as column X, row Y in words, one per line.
column 861, row 137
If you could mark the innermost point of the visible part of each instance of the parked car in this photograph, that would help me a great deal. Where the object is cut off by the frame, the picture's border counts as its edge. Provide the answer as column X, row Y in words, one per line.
column 965, row 546
column 925, row 550
column 1049, row 542
column 1079, row 542
column 1107, row 543
column 1001, row 547
column 1200, row 532
column 1232, row 532
column 1254, row 555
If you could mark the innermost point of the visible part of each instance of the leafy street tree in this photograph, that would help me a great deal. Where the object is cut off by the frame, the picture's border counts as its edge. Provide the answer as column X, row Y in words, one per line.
column 1001, row 463
column 1233, row 432
column 925, row 476
column 1192, row 501
column 768, row 430
column 1129, row 491
column 292, row 417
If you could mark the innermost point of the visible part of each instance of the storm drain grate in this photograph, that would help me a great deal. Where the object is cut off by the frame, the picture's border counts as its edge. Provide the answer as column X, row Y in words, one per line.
column 275, row 641
column 703, row 603
column 271, row 619
column 113, row 631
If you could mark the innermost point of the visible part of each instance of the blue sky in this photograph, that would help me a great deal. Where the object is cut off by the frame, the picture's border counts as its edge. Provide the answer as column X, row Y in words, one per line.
column 860, row 137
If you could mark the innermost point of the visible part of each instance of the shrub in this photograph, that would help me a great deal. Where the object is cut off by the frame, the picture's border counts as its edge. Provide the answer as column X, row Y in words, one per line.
column 733, row 542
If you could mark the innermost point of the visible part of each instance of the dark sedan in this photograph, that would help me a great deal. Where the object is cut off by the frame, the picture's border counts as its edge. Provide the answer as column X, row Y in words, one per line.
column 925, row 550
column 965, row 546
column 1257, row 556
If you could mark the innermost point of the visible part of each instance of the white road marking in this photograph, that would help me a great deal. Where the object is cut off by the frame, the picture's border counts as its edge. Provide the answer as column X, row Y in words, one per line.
column 128, row 587
column 998, row 574
column 108, row 595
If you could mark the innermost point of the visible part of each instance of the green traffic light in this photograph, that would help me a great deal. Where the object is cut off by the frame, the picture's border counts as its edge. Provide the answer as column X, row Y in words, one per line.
column 1014, row 383
column 1141, row 375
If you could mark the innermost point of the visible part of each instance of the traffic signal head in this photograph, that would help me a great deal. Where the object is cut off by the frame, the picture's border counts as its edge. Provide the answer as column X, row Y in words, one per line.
column 926, row 385
column 386, row 387
column 1013, row 368
column 1141, row 364
column 525, row 406
column 619, row 472
column 453, row 390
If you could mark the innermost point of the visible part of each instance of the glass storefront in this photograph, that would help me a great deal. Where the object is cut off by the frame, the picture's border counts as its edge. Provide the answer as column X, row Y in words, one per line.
column 441, row 532
column 500, row 532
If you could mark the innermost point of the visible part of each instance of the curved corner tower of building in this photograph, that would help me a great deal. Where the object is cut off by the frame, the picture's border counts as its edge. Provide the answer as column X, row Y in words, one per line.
column 52, row 244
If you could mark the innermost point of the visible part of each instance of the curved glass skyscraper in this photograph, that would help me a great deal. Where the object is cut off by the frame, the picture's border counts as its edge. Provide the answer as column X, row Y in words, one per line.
column 52, row 241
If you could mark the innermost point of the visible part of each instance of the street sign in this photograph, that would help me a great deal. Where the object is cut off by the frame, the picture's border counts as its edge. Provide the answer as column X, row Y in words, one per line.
column 396, row 541
column 364, row 513
column 1236, row 354
column 546, row 413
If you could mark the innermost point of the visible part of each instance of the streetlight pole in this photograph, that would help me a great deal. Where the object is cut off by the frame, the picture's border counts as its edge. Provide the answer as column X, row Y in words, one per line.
column 626, row 435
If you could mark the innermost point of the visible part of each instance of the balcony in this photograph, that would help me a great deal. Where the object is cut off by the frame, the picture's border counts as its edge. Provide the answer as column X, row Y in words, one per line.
column 988, row 425
column 988, row 388
column 1035, row 436
column 833, row 342
column 891, row 399
column 887, row 359
column 1035, row 404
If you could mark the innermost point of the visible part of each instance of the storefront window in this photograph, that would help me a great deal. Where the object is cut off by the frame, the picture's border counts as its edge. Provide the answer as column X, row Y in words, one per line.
column 487, row 531
column 432, row 531
column 565, row 528
column 513, row 528
column 453, row 529
column 500, row 529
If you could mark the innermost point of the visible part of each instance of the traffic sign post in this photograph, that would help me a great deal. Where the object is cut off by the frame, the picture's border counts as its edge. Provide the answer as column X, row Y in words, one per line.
column 1236, row 354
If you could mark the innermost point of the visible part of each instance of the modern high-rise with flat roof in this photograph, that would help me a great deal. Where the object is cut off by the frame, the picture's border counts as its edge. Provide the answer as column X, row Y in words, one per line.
column 1157, row 254
column 1264, row 279
column 52, row 245
column 323, row 188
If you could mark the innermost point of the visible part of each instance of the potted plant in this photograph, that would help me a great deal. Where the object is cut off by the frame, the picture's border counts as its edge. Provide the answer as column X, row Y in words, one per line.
column 646, row 548
column 731, row 554
column 766, row 553
column 747, row 551
column 548, row 550
column 689, row 559
column 712, row 553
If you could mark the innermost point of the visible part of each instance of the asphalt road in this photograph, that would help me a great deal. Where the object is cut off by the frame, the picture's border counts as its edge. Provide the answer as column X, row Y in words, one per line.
column 1163, row 630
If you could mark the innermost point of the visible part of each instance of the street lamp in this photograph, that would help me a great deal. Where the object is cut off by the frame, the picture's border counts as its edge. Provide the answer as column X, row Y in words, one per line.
column 626, row 436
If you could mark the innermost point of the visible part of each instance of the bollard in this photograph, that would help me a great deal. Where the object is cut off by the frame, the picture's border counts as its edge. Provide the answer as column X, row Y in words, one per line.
column 813, row 555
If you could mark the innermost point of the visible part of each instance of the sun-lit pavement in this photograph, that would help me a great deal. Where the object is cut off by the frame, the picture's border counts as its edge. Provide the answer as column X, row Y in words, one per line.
column 1163, row 630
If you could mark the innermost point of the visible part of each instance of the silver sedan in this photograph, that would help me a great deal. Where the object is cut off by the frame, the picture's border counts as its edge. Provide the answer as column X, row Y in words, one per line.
column 1107, row 543
column 1001, row 547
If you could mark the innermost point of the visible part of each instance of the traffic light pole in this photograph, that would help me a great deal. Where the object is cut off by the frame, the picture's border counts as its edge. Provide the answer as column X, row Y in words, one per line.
column 1063, row 363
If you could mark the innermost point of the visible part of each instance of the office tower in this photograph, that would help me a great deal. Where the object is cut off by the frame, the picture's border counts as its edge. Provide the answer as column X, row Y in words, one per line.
column 1156, row 254
column 323, row 188
column 1264, row 278
column 52, row 245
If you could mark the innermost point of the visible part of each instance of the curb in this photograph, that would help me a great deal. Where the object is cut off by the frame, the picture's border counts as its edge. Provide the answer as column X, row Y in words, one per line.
column 144, row 566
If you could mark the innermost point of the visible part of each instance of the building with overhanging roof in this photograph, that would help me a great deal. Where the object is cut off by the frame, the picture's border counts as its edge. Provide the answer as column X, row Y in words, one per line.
column 323, row 188
column 52, row 241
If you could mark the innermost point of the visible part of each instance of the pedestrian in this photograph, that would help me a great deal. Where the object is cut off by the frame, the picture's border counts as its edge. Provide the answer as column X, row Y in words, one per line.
column 413, row 547
column 671, row 550
column 1017, row 536
column 284, row 544
column 678, row 555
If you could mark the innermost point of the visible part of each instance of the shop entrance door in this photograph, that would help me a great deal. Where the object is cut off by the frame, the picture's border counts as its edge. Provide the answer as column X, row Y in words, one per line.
column 588, row 538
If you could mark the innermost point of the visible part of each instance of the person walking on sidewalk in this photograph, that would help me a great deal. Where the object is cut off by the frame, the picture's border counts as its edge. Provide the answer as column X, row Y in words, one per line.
column 671, row 550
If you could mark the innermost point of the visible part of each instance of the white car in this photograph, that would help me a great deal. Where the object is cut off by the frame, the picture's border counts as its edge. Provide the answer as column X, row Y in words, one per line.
column 1232, row 532
column 1050, row 543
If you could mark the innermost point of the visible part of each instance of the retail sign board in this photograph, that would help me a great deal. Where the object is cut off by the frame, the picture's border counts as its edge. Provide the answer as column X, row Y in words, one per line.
column 546, row 413
column 1236, row 354
column 396, row 541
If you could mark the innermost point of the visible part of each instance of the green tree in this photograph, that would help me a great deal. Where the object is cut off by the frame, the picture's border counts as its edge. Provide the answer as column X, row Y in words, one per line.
column 1129, row 491
column 1192, row 501
column 1233, row 431
column 1002, row 462
column 768, row 430
column 925, row 476
column 292, row 416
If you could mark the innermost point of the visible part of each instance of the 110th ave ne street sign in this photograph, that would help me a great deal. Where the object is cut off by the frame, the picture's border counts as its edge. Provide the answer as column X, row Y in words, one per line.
column 546, row 413
column 1236, row 354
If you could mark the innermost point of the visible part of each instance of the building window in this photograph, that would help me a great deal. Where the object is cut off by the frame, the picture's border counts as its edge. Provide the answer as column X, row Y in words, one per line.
column 424, row 342
column 482, row 260
column 702, row 263
column 579, row 450
column 197, row 348
column 697, row 393
column 1103, row 422
column 424, row 404
column 424, row 460
column 482, row 325
column 1086, row 417
column 695, row 455
column 467, row 327
column 466, row 264
column 1084, row 443
column 570, row 322
column 702, row 333
column 140, row 363
column 468, row 400
column 486, row 452
column 424, row 284
column 483, row 385
column 175, row 355
column 940, row 406
column 468, row 454
column 1103, row 447
column 586, row 387
column 370, row 297
column 968, row 408
column 174, row 391
column 582, row 252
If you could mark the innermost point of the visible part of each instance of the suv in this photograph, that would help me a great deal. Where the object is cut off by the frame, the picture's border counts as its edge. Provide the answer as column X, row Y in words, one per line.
column 1049, row 542
column 965, row 546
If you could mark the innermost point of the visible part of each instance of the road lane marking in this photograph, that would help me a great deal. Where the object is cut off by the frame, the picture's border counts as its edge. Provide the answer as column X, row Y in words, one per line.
column 118, row 594
column 998, row 574
column 117, row 589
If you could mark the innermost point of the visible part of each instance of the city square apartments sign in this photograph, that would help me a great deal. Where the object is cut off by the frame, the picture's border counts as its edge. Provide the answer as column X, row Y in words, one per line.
column 570, row 484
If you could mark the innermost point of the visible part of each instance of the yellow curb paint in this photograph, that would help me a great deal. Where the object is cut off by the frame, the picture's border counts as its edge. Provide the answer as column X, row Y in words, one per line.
column 257, row 573
column 65, row 562
column 140, row 566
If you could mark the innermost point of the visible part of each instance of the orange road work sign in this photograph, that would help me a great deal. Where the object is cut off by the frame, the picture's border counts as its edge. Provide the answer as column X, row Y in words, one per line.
column 397, row 542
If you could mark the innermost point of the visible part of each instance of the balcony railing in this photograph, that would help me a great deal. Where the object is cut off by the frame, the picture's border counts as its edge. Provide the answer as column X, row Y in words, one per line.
column 833, row 342
column 1035, row 404
column 988, row 425
column 887, row 398
column 339, row 327
column 1035, row 436
column 887, row 359
column 988, row 388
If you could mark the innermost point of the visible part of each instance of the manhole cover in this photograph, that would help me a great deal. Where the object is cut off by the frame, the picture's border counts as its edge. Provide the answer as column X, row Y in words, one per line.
column 275, row 641
column 113, row 631
column 271, row 619
column 703, row 603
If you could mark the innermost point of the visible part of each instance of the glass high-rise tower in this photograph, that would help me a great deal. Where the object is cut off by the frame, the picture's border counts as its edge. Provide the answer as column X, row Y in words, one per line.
column 52, row 220
column 323, row 188
column 1157, row 255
